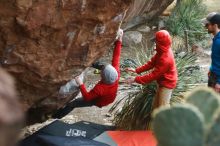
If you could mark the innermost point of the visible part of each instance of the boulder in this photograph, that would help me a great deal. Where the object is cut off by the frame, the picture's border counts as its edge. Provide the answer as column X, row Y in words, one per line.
column 142, row 11
column 132, row 38
column 144, row 29
column 46, row 43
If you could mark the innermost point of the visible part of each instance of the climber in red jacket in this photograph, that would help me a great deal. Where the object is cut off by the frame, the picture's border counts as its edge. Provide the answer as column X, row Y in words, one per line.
column 163, row 70
column 105, row 90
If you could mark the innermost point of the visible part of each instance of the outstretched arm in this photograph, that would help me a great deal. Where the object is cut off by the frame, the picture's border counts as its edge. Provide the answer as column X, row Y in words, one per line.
column 117, row 51
column 149, row 65
column 87, row 96
column 159, row 70
column 116, row 55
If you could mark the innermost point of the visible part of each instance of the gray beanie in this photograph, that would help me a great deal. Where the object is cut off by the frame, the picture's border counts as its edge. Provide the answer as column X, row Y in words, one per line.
column 109, row 74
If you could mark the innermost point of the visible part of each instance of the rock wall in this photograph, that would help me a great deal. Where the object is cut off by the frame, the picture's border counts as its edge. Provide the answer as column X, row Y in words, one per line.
column 143, row 11
column 43, row 43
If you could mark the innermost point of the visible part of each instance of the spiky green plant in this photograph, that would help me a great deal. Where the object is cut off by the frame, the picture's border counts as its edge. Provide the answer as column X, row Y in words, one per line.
column 137, row 106
column 187, row 15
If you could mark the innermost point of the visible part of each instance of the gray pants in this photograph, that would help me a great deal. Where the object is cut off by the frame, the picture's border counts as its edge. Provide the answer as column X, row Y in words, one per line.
column 79, row 102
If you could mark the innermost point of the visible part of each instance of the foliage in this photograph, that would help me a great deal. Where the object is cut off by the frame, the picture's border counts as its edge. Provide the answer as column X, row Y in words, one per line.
column 200, row 125
column 170, row 128
column 137, row 109
column 137, row 106
column 187, row 15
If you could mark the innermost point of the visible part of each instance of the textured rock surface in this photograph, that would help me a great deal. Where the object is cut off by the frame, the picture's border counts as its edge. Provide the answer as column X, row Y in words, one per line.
column 143, row 11
column 132, row 38
column 43, row 43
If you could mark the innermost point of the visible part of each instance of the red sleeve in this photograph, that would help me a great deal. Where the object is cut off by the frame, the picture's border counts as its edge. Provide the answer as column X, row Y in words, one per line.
column 159, row 70
column 91, row 95
column 116, row 56
column 149, row 65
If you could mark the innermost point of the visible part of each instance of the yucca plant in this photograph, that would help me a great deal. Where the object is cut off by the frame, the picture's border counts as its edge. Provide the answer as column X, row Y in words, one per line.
column 187, row 15
column 137, row 106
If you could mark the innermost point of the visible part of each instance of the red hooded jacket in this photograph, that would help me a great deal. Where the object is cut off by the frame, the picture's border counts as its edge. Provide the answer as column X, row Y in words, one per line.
column 104, row 94
column 163, row 64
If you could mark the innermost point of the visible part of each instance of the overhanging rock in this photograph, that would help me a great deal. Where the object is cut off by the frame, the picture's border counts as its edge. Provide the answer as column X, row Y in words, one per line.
column 44, row 43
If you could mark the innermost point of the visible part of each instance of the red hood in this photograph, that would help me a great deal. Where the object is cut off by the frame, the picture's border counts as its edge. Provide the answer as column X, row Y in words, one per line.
column 163, row 41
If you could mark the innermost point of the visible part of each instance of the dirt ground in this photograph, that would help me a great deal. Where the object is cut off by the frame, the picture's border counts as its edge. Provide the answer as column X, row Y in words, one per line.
column 212, row 5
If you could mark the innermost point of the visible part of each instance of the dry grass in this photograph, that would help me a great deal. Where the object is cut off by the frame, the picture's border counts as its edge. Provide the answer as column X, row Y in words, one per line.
column 212, row 5
column 170, row 8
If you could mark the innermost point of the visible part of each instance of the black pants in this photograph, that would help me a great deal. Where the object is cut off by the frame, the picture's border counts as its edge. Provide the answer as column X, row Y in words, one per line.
column 79, row 102
column 212, row 80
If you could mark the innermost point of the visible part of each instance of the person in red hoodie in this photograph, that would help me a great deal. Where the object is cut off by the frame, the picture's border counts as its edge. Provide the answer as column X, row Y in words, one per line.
column 105, row 91
column 163, row 70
